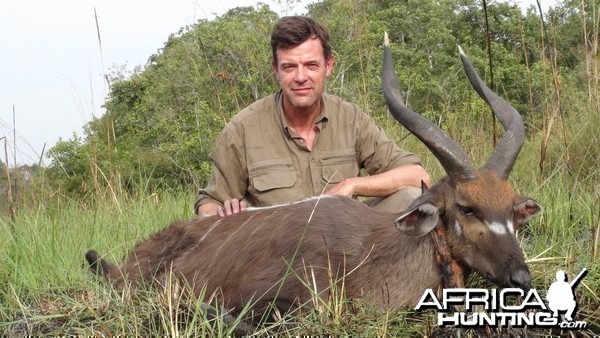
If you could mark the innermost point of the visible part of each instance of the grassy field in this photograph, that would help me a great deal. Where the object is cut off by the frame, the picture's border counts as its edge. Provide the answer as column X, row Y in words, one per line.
column 45, row 288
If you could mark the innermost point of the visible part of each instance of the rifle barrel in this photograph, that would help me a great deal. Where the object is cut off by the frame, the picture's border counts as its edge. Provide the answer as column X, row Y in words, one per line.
column 579, row 276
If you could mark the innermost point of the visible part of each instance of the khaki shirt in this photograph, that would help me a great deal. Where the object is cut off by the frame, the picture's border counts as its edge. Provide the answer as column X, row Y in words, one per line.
column 258, row 158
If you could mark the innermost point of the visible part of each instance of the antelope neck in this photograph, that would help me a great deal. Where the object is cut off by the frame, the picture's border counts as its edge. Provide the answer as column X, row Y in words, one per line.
column 452, row 271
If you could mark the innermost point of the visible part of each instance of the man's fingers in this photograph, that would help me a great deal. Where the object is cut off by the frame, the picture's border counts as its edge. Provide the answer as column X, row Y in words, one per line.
column 227, row 207
column 233, row 206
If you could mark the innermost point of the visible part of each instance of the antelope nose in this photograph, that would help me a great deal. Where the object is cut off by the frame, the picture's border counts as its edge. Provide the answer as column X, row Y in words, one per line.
column 521, row 279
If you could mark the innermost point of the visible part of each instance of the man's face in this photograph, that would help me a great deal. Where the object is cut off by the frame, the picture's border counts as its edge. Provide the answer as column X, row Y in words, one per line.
column 302, row 71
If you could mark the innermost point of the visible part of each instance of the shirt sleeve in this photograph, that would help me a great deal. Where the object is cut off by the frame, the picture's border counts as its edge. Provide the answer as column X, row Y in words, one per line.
column 377, row 152
column 229, row 177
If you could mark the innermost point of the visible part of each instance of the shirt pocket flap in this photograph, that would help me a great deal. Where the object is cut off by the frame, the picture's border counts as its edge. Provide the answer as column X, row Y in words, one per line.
column 339, row 165
column 276, row 174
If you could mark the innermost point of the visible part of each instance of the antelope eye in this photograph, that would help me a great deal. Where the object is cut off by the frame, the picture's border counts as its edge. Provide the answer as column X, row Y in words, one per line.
column 467, row 211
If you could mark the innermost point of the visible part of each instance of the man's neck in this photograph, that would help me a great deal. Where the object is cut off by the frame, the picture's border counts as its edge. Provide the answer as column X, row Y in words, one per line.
column 302, row 120
column 303, row 123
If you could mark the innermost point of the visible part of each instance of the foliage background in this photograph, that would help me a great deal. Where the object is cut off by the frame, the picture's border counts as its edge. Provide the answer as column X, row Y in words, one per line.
column 137, row 167
column 162, row 119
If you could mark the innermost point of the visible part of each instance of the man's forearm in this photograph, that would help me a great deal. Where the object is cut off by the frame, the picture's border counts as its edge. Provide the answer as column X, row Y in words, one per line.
column 383, row 184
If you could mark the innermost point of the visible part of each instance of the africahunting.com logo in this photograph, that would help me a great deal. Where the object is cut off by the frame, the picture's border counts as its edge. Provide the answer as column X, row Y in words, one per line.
column 462, row 307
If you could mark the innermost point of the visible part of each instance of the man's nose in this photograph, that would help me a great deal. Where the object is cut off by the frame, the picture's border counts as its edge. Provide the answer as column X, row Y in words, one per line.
column 301, row 74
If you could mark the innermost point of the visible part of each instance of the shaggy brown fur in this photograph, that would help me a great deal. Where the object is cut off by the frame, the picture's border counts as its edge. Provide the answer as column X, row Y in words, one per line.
column 247, row 256
column 284, row 255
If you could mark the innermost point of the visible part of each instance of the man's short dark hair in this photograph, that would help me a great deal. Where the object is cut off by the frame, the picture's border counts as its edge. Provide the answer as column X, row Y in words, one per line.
column 291, row 31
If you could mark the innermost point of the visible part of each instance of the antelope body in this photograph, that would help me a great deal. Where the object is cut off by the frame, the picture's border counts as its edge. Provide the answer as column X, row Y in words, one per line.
column 246, row 256
column 284, row 255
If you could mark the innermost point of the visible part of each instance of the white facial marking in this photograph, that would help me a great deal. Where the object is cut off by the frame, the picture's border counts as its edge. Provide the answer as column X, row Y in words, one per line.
column 510, row 227
column 457, row 228
column 499, row 228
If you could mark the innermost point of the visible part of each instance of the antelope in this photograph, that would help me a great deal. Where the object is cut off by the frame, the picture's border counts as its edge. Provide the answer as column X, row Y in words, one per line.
column 282, row 256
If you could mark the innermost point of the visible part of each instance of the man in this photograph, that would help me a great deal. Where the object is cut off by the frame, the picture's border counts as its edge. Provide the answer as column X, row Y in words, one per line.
column 301, row 142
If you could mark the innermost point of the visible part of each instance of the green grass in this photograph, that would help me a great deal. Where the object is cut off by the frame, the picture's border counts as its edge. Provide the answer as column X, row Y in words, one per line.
column 45, row 287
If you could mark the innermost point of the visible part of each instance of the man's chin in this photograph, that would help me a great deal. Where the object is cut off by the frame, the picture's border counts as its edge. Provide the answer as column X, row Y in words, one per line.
column 303, row 103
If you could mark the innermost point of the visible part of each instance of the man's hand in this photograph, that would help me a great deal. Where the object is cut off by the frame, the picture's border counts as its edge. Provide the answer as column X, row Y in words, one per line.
column 229, row 207
column 344, row 188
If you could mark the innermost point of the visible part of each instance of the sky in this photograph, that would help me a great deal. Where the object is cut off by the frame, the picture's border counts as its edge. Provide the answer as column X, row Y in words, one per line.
column 52, row 67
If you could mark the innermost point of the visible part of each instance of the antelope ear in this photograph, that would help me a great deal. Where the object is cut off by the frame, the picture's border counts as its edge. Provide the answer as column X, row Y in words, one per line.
column 525, row 208
column 418, row 220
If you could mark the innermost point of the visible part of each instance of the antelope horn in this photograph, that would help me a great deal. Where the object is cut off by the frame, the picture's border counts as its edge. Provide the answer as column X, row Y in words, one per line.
column 505, row 154
column 446, row 150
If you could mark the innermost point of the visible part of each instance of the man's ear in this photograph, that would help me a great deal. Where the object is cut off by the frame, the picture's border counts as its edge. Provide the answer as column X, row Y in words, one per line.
column 274, row 67
column 330, row 64
column 418, row 220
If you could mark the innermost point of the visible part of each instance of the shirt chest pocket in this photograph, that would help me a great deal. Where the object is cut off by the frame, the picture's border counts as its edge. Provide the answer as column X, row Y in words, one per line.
column 272, row 181
column 338, row 165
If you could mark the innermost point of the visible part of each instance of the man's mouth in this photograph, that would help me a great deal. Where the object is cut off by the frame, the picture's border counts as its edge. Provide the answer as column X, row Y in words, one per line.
column 303, row 90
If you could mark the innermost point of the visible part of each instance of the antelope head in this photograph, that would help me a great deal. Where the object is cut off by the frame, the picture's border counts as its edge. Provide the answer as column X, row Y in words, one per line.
column 477, row 207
